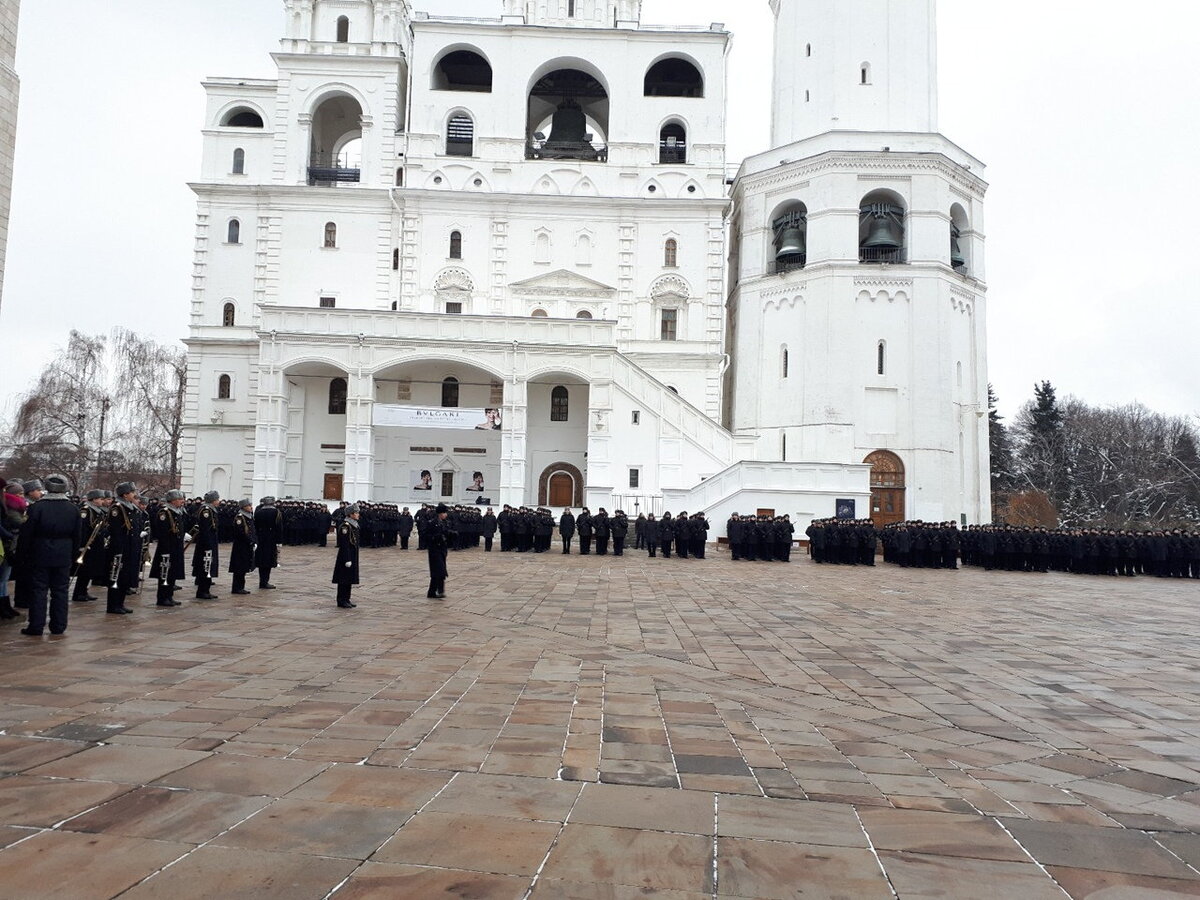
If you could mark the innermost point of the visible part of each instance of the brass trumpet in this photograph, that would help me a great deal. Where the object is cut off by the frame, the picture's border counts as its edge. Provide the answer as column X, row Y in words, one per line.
column 87, row 545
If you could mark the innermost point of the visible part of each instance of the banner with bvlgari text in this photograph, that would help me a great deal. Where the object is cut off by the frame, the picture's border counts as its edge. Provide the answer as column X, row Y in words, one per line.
column 393, row 416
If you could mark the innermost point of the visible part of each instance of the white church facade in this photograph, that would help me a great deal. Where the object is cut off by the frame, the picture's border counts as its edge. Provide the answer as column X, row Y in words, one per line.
column 506, row 260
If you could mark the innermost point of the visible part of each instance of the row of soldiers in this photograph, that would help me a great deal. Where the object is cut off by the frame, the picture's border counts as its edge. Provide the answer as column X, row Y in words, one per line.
column 763, row 537
column 1164, row 553
column 687, row 534
column 106, row 541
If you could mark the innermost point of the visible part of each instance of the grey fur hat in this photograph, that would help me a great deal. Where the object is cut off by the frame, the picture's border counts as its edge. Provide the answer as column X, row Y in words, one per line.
column 212, row 497
column 126, row 487
column 352, row 509
column 33, row 485
column 57, row 484
column 174, row 494
column 94, row 495
column 246, row 502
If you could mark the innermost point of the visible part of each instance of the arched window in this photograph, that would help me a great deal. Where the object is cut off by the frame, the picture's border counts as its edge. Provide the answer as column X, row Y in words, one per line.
column 881, row 228
column 399, row 178
column 241, row 117
column 541, row 247
column 958, row 225
column 881, row 358
column 456, row 245
column 239, row 161
column 343, row 30
column 571, row 9
column 228, row 315
column 234, row 233
column 330, row 235
column 784, row 362
column 460, row 135
column 674, row 77
column 559, row 404
column 672, row 389
column 224, row 387
column 396, row 260
column 864, row 73
column 583, row 250
column 807, row 97
column 583, row 314
column 337, row 397
column 450, row 392
column 539, row 314
column 808, row 49
column 463, row 70
column 672, row 143
column 671, row 253
column 791, row 238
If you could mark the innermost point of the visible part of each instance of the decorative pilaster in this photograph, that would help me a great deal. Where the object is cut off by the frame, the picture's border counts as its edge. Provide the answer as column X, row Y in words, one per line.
column 360, row 435
column 270, row 432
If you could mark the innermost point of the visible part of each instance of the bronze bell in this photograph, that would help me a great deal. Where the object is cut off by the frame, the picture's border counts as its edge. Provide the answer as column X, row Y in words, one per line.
column 569, row 125
column 791, row 242
column 883, row 235
column 957, row 260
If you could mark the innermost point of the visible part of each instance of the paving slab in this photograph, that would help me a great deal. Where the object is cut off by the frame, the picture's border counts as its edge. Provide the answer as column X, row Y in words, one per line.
column 583, row 727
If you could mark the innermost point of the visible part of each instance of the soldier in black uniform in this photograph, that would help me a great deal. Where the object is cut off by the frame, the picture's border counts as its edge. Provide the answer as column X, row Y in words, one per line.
column 345, row 567
column 93, row 519
column 122, row 558
column 620, row 528
column 268, row 526
column 697, row 535
column 666, row 534
column 241, row 554
column 51, row 539
column 566, row 529
column 438, row 537
column 639, row 535
column 601, row 528
column 681, row 535
column 205, row 556
column 168, row 528
column 584, row 524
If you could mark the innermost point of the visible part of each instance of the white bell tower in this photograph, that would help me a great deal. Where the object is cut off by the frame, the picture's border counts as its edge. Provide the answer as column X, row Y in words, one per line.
column 853, row 65
column 858, row 303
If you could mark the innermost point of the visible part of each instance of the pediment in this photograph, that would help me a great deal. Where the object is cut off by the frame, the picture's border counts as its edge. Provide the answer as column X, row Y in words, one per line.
column 562, row 283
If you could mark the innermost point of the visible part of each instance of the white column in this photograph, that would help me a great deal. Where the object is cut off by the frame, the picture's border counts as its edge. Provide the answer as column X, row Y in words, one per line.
column 359, row 479
column 600, row 477
column 514, row 444
column 270, row 432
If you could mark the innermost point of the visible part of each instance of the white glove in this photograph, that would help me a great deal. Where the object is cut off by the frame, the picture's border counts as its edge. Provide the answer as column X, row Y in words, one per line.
column 187, row 538
column 145, row 534
column 348, row 565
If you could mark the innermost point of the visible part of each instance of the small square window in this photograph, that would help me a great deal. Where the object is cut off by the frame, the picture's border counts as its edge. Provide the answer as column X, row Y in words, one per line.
column 635, row 477
column 454, row 308
column 328, row 302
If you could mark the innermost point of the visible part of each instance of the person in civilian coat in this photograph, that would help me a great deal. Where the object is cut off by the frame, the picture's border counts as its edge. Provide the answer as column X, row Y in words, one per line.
column 242, row 555
column 268, row 525
column 438, row 537
column 51, row 537
column 566, row 529
column 345, row 567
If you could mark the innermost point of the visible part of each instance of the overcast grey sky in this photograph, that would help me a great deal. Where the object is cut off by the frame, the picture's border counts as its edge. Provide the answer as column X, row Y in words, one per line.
column 1086, row 120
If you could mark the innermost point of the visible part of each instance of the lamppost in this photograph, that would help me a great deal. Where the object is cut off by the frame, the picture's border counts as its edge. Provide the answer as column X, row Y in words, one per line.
column 104, row 404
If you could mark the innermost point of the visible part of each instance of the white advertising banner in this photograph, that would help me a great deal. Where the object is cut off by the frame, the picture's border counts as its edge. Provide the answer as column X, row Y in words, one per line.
column 392, row 416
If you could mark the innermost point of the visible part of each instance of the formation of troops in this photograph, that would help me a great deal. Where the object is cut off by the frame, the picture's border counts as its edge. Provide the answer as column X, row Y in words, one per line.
column 105, row 540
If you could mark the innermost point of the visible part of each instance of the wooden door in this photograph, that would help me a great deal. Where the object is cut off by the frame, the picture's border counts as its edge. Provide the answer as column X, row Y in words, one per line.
column 887, row 506
column 333, row 487
column 562, row 489
column 767, row 512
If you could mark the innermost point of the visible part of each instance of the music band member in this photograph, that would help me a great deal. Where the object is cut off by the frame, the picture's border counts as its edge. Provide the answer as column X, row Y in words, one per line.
column 169, row 530
column 241, row 554
column 123, row 548
column 205, row 564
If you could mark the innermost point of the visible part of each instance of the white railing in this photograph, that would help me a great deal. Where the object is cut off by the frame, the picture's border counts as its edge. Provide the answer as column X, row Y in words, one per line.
column 374, row 325
column 675, row 413
column 771, row 476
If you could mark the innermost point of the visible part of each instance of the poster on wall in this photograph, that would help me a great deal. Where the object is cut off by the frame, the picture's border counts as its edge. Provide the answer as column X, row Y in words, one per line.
column 475, row 489
column 422, row 484
column 457, row 418
column 846, row 509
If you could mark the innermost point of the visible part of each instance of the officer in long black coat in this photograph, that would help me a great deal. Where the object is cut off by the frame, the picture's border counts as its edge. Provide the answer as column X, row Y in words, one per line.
column 345, row 567
column 666, row 534
column 566, row 529
column 601, row 528
column 438, row 537
column 682, row 535
column 404, row 527
column 650, row 534
column 51, row 537
column 168, row 527
column 488, row 526
column 205, row 557
column 241, row 554
column 268, row 525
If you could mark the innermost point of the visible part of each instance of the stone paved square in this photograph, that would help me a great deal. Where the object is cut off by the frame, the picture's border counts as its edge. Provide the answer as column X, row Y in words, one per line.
column 598, row 727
